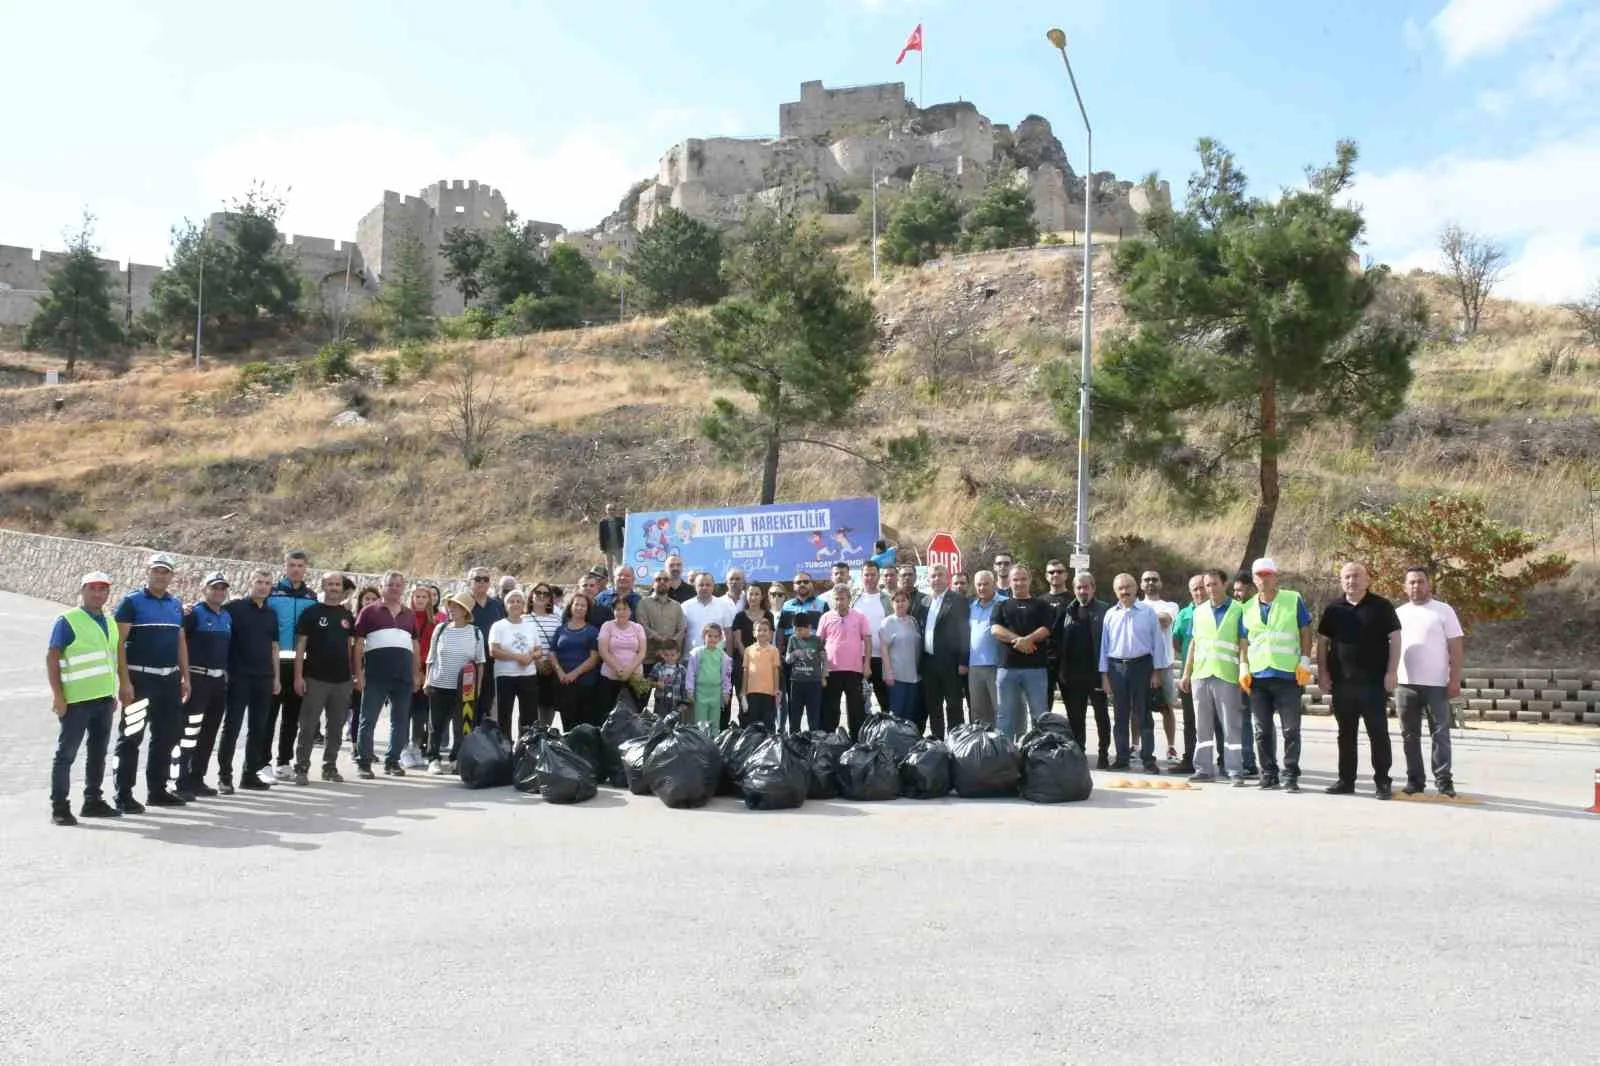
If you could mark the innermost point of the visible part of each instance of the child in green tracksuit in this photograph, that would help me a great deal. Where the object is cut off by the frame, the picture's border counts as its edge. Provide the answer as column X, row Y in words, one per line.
column 710, row 679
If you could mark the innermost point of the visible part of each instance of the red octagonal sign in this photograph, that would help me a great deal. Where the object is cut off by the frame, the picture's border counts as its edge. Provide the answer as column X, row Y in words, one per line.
column 943, row 551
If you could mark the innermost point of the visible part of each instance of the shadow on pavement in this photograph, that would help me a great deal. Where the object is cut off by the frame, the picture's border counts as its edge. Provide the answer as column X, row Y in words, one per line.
column 1315, row 781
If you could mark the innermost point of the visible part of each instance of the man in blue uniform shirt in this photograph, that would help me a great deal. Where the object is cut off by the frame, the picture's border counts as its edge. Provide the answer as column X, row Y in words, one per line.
column 154, row 669
column 207, row 630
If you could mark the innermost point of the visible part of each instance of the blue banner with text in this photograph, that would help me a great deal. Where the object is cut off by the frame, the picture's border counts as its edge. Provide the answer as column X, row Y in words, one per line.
column 769, row 543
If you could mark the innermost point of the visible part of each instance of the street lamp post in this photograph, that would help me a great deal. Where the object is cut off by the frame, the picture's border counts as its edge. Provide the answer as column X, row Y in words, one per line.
column 1081, row 531
column 199, row 302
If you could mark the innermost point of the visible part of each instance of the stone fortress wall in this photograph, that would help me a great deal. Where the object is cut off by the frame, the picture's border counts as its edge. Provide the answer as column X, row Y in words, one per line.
column 50, row 568
column 23, row 273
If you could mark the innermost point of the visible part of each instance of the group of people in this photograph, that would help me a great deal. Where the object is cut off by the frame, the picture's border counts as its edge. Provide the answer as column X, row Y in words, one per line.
column 318, row 665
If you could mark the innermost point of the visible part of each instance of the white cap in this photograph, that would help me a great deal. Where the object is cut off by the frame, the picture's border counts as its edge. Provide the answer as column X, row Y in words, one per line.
column 95, row 577
column 1264, row 565
column 160, row 561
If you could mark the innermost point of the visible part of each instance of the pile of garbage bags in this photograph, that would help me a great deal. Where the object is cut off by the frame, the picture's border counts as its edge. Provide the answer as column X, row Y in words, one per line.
column 681, row 765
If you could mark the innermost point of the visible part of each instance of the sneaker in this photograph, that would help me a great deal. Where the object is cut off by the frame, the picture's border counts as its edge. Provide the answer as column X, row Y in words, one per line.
column 1385, row 792
column 1268, row 782
column 394, row 769
column 62, row 816
column 365, row 772
column 188, row 795
column 1447, row 789
column 1251, row 773
column 163, row 799
column 284, row 773
column 1413, row 789
column 1152, row 767
column 1292, row 785
column 224, row 787
column 98, row 808
column 332, row 774
column 202, row 790
column 1185, row 766
column 1201, row 778
column 1341, row 788
column 253, row 783
column 411, row 758
column 1172, row 757
column 301, row 778
column 1120, row 764
column 436, row 768
column 129, row 805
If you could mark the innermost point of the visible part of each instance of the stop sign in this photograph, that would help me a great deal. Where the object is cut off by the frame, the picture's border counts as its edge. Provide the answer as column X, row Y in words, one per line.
column 943, row 551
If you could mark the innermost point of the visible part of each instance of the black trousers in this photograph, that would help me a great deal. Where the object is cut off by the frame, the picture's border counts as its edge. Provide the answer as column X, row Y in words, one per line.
column 738, row 693
column 163, row 720
column 846, row 683
column 486, row 689
column 249, row 705
column 1357, row 704
column 805, row 706
column 880, row 687
column 576, row 703
column 444, row 719
column 208, row 698
column 1187, row 699
column 1077, row 693
column 522, row 693
column 941, row 697
column 760, row 707
column 286, row 709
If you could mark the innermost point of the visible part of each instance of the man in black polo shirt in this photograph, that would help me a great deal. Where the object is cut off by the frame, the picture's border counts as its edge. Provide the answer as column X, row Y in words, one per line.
column 1059, row 595
column 1358, row 659
column 1022, row 625
column 253, row 679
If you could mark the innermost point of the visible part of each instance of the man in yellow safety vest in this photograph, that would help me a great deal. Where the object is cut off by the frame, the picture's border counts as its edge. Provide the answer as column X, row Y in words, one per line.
column 81, row 664
column 1274, row 668
column 1211, row 675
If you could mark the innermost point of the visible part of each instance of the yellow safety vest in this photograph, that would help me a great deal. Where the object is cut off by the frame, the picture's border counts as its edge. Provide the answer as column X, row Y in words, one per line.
column 1275, row 643
column 1216, row 655
column 89, row 663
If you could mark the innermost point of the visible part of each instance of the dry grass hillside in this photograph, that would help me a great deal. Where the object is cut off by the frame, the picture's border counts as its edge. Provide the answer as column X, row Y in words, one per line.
column 169, row 456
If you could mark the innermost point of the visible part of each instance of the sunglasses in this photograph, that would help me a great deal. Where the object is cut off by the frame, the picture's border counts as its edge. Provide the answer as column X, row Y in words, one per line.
column 479, row 580
column 541, row 592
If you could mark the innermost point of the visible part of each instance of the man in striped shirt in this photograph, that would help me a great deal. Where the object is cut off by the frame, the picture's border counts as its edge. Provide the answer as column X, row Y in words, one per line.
column 386, row 649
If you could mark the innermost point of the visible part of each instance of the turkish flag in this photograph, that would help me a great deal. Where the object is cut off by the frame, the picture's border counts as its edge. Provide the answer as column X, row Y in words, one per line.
column 913, row 44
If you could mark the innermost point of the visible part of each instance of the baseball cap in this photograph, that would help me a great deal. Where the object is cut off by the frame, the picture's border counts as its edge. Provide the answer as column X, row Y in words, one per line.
column 1264, row 565
column 95, row 577
column 161, row 561
column 216, row 577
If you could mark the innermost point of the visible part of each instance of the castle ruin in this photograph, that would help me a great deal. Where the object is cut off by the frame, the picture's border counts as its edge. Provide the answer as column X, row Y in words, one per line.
column 832, row 145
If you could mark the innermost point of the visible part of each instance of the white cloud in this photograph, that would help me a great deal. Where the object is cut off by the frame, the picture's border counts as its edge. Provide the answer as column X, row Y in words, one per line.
column 1540, row 203
column 1467, row 28
column 334, row 174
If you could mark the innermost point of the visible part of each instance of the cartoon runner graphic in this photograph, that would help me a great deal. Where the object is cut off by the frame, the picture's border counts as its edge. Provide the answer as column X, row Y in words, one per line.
column 841, row 537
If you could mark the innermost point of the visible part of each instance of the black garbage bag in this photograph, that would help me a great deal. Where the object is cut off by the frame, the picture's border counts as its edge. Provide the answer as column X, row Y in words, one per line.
column 1047, row 723
column 897, row 734
column 925, row 771
column 776, row 775
column 624, row 723
column 564, row 775
column 984, row 763
column 525, row 759
column 585, row 740
column 681, row 765
column 632, row 755
column 484, row 758
column 736, row 746
column 866, row 772
column 1055, row 770
column 825, row 751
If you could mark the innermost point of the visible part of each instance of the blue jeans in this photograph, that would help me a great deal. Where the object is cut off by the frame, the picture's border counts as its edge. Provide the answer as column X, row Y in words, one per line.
column 903, row 700
column 1016, row 687
column 91, row 719
column 392, row 686
column 1130, row 695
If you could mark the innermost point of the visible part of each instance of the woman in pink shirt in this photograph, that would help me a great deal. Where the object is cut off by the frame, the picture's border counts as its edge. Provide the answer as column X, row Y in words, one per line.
column 621, row 654
column 847, row 645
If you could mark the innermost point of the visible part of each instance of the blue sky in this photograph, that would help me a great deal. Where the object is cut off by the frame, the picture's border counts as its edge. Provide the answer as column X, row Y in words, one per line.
column 147, row 111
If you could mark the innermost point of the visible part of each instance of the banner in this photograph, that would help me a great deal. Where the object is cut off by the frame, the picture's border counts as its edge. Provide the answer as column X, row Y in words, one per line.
column 771, row 543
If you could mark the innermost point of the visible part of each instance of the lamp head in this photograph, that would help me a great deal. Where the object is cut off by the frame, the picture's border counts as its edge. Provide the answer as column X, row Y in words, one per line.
column 1057, row 39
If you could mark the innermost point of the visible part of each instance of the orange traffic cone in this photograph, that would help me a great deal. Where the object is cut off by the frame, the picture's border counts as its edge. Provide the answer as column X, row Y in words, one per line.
column 1596, row 808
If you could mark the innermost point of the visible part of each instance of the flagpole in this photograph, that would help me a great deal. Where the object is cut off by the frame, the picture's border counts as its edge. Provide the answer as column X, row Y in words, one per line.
column 922, row 54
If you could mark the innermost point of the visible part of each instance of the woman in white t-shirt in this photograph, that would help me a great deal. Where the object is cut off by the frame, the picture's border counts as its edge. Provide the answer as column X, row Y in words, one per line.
column 516, row 644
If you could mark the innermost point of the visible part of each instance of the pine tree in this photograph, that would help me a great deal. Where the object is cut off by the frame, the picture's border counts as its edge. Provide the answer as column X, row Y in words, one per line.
column 678, row 262
column 75, row 318
column 1002, row 218
column 406, row 299
column 925, row 220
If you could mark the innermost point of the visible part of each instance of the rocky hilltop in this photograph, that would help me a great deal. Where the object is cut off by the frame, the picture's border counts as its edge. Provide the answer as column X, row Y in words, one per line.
column 833, row 144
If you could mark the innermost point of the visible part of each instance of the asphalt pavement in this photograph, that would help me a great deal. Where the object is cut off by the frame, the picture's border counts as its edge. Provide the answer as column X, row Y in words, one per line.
column 414, row 921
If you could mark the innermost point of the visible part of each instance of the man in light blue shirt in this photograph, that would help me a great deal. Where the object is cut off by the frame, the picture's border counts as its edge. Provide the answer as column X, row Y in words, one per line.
column 983, row 657
column 1132, row 649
